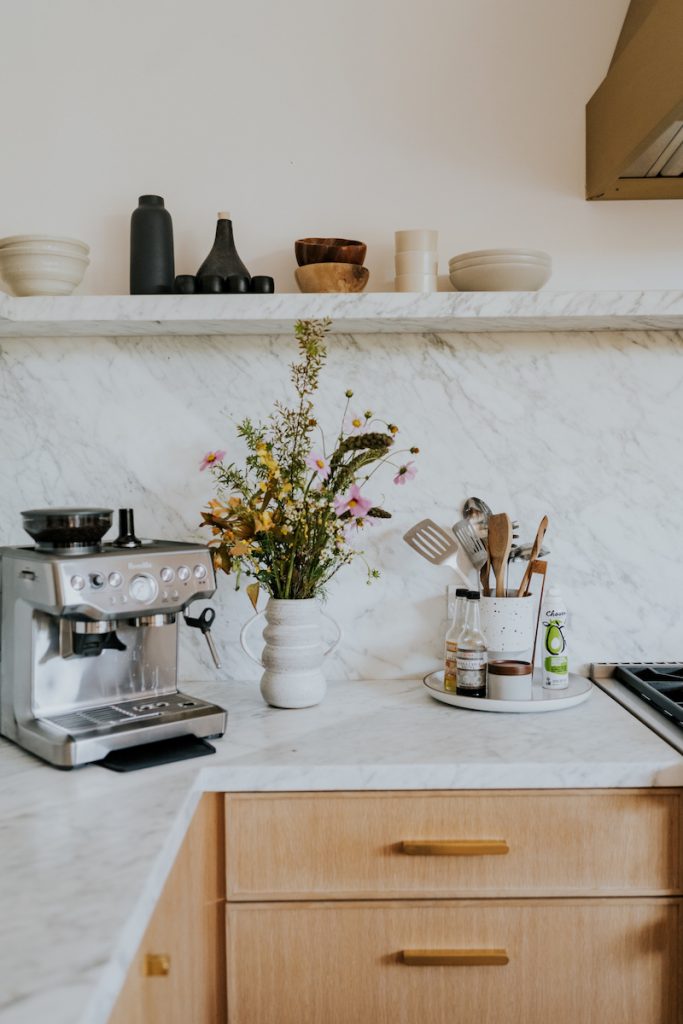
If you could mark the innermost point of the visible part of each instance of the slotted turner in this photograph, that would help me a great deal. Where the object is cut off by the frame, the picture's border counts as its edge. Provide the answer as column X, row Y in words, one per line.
column 434, row 544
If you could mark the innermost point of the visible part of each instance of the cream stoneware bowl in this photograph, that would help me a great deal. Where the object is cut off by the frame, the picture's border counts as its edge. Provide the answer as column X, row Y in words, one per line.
column 42, row 273
column 501, row 277
column 416, row 282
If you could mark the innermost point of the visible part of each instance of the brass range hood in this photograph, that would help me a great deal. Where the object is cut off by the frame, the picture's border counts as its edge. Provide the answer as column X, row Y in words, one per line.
column 634, row 121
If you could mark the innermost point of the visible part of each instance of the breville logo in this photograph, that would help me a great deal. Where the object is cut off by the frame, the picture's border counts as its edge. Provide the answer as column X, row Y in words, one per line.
column 139, row 565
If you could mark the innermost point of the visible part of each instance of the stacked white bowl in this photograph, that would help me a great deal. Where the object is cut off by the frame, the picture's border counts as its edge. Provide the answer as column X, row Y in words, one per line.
column 42, row 264
column 500, row 270
column 417, row 260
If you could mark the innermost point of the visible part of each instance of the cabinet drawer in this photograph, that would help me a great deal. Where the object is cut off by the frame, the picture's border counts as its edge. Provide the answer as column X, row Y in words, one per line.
column 346, row 845
column 567, row 961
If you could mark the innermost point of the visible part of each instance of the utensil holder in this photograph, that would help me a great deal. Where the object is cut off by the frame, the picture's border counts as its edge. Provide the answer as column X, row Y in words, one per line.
column 508, row 625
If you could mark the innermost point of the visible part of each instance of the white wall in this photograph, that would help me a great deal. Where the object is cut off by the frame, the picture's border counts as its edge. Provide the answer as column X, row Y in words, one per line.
column 313, row 117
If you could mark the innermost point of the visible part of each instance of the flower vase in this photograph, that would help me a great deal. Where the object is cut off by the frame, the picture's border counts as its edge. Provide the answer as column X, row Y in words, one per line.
column 294, row 652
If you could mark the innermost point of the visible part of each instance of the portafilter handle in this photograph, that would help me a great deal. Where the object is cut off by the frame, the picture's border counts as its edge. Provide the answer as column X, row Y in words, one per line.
column 205, row 622
column 126, row 537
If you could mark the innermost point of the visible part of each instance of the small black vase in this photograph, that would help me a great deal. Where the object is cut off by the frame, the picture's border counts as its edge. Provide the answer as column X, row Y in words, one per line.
column 223, row 258
column 151, row 248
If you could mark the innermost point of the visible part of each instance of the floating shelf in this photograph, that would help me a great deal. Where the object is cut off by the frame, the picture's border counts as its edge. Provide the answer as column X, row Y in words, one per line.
column 370, row 313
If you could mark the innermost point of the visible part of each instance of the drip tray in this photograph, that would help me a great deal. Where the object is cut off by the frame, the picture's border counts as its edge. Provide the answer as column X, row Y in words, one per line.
column 127, row 714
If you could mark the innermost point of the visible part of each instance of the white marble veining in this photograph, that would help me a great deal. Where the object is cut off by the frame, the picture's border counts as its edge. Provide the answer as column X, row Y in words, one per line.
column 583, row 426
column 371, row 312
column 84, row 855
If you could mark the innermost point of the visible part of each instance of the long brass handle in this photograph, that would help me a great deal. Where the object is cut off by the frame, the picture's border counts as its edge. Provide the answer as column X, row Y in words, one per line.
column 454, row 847
column 157, row 965
column 454, row 957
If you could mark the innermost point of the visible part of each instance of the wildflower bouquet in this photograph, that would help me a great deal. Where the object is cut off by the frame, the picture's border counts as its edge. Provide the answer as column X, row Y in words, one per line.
column 293, row 516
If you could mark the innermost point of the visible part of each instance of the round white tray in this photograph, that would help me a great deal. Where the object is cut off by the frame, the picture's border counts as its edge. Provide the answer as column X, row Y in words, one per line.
column 577, row 692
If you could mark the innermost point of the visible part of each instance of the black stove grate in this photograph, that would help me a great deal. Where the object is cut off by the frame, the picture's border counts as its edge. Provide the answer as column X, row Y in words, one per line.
column 661, row 687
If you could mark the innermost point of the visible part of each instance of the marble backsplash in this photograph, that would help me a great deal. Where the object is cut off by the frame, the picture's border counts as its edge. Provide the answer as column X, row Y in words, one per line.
column 585, row 427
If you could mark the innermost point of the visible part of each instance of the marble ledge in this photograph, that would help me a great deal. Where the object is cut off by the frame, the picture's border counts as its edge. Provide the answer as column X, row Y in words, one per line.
column 368, row 313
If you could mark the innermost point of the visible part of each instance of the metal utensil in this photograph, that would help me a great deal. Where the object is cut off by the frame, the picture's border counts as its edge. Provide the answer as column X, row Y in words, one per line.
column 499, row 543
column 538, row 540
column 472, row 544
column 435, row 544
column 522, row 552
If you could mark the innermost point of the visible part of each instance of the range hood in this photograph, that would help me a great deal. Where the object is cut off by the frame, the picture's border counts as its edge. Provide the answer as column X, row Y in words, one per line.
column 634, row 122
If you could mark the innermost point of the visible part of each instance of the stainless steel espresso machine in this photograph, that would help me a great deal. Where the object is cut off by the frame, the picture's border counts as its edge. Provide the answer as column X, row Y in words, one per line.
column 89, row 638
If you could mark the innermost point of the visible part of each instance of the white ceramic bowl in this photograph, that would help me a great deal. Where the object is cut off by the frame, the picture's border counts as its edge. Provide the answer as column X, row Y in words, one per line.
column 46, row 242
column 416, row 238
column 484, row 261
column 477, row 253
column 42, row 273
column 501, row 277
column 416, row 283
column 417, row 262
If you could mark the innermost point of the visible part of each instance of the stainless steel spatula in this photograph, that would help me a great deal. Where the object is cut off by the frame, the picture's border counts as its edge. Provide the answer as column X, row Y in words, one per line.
column 434, row 544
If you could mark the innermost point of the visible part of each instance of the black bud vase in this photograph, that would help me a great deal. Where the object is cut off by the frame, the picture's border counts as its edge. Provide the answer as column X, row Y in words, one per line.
column 151, row 248
column 223, row 258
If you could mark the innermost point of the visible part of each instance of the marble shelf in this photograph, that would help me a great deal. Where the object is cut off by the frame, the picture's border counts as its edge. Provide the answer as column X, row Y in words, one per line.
column 373, row 312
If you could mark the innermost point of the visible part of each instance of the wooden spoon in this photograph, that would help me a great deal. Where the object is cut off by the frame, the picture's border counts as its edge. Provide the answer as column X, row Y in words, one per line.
column 500, row 542
column 533, row 555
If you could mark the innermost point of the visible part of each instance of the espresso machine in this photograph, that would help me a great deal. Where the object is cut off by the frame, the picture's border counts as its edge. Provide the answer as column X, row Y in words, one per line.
column 89, row 639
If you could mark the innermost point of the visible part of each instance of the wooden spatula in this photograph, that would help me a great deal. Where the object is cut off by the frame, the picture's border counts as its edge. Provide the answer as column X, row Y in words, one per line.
column 533, row 555
column 500, row 542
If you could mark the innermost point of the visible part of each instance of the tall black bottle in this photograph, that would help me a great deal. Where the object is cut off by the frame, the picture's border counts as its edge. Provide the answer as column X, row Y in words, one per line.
column 223, row 259
column 151, row 248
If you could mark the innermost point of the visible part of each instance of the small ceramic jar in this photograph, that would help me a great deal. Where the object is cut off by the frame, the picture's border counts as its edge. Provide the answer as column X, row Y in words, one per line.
column 509, row 680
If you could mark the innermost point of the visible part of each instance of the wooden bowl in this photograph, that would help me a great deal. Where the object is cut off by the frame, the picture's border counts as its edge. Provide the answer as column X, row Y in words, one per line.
column 329, row 250
column 331, row 277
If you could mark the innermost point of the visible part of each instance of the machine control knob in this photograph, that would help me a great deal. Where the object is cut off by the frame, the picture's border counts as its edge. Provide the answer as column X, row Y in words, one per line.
column 143, row 588
column 183, row 573
column 200, row 572
column 96, row 580
column 77, row 582
column 167, row 574
column 115, row 579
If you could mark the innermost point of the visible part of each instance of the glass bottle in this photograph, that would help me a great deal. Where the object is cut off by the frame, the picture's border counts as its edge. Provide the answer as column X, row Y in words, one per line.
column 451, row 647
column 472, row 654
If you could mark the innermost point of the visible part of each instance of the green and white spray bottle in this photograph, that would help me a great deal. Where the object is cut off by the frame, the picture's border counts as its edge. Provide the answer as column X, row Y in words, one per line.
column 555, row 657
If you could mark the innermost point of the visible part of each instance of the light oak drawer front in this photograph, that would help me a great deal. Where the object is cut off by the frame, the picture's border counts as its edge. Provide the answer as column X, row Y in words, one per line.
column 346, row 845
column 549, row 962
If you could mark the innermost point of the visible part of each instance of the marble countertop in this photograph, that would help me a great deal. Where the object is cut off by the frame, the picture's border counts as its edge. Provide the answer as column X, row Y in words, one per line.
column 84, row 855
column 366, row 313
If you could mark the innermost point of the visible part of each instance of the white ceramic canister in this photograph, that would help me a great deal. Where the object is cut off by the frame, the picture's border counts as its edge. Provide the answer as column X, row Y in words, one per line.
column 509, row 680
column 294, row 652
column 508, row 625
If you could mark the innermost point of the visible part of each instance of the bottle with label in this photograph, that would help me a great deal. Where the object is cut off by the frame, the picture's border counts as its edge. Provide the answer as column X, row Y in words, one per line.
column 472, row 655
column 555, row 653
column 450, row 667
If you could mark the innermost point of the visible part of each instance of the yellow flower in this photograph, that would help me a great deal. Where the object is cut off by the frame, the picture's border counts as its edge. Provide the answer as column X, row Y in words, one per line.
column 242, row 547
column 263, row 521
column 267, row 460
column 284, row 530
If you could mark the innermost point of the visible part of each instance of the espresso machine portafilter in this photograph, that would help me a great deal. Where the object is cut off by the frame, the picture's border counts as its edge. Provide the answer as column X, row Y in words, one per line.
column 89, row 637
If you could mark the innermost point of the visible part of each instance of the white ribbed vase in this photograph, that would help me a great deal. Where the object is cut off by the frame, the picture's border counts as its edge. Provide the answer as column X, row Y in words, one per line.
column 294, row 653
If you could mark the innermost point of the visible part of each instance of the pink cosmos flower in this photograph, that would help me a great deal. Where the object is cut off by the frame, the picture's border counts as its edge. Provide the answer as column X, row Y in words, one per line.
column 210, row 459
column 353, row 423
column 319, row 464
column 353, row 502
column 406, row 473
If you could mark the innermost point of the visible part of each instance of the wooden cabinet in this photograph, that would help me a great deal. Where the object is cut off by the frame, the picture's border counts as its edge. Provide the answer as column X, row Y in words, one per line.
column 591, row 961
column 178, row 974
column 369, row 845
column 404, row 941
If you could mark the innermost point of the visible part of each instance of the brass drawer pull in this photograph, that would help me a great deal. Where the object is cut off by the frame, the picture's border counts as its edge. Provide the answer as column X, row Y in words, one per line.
column 454, row 847
column 454, row 957
column 157, row 965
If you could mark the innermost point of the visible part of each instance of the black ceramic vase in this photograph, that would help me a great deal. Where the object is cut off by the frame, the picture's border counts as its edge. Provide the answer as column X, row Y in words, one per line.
column 223, row 258
column 151, row 248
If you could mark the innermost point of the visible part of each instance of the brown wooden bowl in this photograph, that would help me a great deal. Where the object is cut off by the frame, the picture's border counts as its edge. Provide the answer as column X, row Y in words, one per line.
column 331, row 277
column 329, row 250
